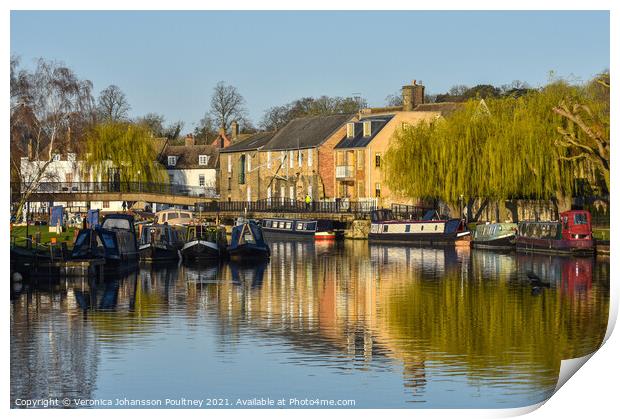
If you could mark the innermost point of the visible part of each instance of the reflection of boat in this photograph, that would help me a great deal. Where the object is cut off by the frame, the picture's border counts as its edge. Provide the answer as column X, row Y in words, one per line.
column 159, row 242
column 494, row 236
column 204, row 242
column 432, row 229
column 312, row 229
column 571, row 234
column 203, row 274
column 115, row 240
column 570, row 273
column 252, row 274
column 247, row 242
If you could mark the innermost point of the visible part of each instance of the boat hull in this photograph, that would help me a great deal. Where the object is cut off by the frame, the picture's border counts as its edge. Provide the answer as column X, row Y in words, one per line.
column 200, row 249
column 499, row 243
column 156, row 253
column 418, row 239
column 555, row 246
column 248, row 252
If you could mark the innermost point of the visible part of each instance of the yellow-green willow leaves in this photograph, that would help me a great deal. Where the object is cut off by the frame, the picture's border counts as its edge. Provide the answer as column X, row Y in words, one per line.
column 509, row 151
column 126, row 146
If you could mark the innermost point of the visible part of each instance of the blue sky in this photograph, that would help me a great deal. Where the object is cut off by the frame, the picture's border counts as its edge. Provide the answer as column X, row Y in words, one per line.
column 168, row 62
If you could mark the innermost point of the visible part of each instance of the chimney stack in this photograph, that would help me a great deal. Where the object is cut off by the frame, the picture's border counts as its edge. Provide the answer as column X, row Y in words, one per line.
column 413, row 95
column 234, row 130
column 189, row 140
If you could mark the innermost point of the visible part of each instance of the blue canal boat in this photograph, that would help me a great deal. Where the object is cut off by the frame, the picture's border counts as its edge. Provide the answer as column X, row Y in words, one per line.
column 247, row 242
column 115, row 240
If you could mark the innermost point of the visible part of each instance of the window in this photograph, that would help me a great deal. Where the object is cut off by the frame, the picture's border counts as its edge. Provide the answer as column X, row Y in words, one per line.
column 229, row 184
column 249, row 193
column 581, row 219
column 378, row 190
column 310, row 158
column 377, row 159
column 300, row 158
column 172, row 160
column 360, row 159
column 300, row 226
column 56, row 157
column 291, row 192
column 249, row 159
column 229, row 163
column 269, row 159
column 242, row 169
column 106, row 204
column 408, row 228
column 351, row 130
column 201, row 180
column 360, row 189
column 291, row 158
column 367, row 128
column 310, row 191
column 269, row 193
column 288, row 225
column 203, row 159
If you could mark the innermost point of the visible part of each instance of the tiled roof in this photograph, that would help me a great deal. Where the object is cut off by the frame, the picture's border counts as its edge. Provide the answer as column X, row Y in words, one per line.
column 307, row 132
column 253, row 142
column 188, row 156
column 359, row 140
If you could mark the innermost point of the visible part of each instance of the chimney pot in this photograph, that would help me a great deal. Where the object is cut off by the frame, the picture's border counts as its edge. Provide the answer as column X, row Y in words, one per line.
column 189, row 140
column 234, row 128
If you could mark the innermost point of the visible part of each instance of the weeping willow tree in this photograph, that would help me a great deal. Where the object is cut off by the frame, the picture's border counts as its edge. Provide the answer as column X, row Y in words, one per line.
column 504, row 148
column 124, row 146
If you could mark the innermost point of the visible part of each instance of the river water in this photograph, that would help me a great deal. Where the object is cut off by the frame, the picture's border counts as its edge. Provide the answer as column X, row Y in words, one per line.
column 384, row 326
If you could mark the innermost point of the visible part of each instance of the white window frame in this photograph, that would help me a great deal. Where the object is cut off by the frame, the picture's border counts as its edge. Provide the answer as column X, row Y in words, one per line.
column 291, row 159
column 56, row 157
column 291, row 193
column 202, row 181
column 367, row 128
column 350, row 129
column 269, row 160
column 249, row 162
column 229, row 163
column 172, row 160
column 203, row 160
column 310, row 158
column 310, row 191
column 249, row 194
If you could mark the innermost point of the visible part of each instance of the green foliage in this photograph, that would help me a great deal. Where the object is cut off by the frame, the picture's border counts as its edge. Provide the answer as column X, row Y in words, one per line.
column 126, row 146
column 500, row 148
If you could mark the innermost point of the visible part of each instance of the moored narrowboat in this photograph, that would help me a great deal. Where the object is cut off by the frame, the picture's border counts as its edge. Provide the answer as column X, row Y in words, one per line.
column 159, row 242
column 310, row 229
column 204, row 242
column 572, row 233
column 115, row 240
column 432, row 229
column 499, row 236
column 247, row 242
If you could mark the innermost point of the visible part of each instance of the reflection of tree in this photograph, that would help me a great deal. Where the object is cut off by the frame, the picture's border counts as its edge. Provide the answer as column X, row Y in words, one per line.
column 52, row 354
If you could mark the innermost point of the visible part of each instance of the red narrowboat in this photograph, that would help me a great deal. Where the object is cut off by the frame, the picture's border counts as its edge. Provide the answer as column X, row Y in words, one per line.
column 571, row 234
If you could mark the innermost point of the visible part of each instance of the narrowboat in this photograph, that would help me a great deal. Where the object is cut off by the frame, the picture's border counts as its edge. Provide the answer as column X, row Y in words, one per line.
column 432, row 229
column 311, row 229
column 247, row 242
column 572, row 233
column 160, row 242
column 115, row 240
column 499, row 236
column 204, row 242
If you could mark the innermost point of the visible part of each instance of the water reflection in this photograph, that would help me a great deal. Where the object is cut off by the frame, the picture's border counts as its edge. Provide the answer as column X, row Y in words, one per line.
column 387, row 326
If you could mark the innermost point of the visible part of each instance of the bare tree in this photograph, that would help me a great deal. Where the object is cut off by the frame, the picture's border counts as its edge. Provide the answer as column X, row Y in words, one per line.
column 154, row 122
column 48, row 106
column 394, row 99
column 227, row 105
column 113, row 104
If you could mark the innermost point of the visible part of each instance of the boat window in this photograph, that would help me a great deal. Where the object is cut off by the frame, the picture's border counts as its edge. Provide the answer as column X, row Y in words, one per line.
column 268, row 223
column 385, row 228
column 120, row 223
column 288, row 225
column 184, row 215
column 407, row 228
column 81, row 238
column 581, row 219
column 422, row 227
column 310, row 226
column 108, row 240
column 435, row 227
column 300, row 226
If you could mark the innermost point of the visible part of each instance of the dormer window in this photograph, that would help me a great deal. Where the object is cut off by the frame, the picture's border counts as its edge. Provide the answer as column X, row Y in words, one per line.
column 367, row 128
column 203, row 159
column 56, row 157
column 172, row 160
column 351, row 130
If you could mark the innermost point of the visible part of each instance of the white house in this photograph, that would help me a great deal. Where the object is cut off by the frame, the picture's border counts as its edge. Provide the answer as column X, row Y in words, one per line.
column 193, row 167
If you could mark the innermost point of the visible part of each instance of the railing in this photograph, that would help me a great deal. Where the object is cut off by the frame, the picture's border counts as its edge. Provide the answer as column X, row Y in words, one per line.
column 408, row 212
column 118, row 187
column 343, row 172
column 290, row 206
